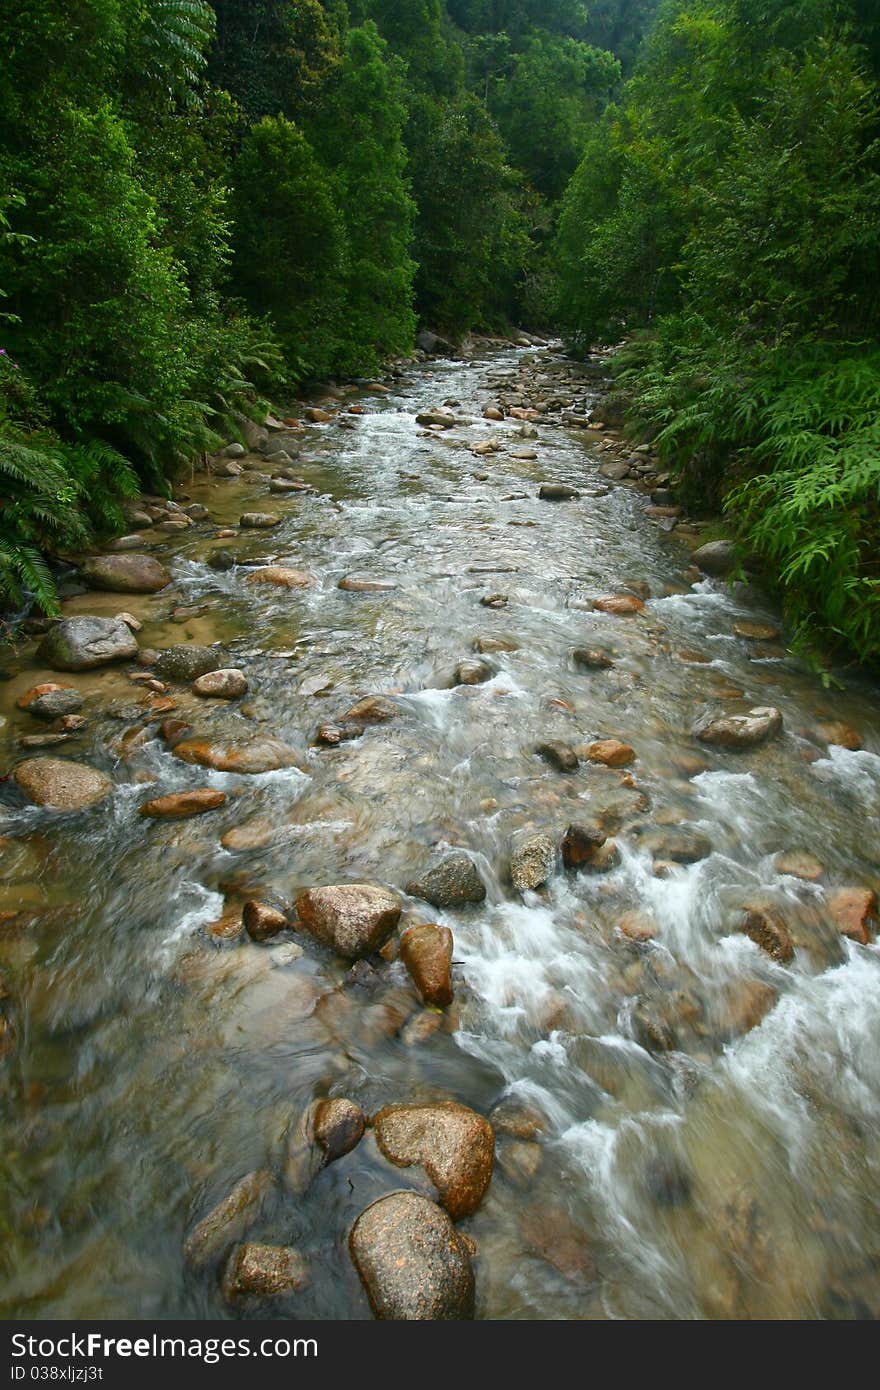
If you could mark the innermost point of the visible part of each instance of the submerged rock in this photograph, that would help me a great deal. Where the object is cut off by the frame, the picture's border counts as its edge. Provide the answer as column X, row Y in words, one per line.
column 426, row 951
column 453, row 882
column 282, row 576
column 355, row 919
column 611, row 753
column 557, row 492
column 261, row 920
column 558, row 755
column 263, row 1271
column 61, row 785
column 79, row 644
column 472, row 673
column 228, row 1221
column 178, row 805
column 454, row 1145
column 412, row 1262
column 257, row 755
column 766, row 926
column 581, row 844
column 854, row 912
column 185, row 662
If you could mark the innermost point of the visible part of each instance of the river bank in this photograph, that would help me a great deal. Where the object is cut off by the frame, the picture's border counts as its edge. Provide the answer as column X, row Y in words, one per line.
column 466, row 661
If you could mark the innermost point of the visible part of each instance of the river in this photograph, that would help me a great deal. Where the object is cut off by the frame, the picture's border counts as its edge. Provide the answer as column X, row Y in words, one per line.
column 686, row 1126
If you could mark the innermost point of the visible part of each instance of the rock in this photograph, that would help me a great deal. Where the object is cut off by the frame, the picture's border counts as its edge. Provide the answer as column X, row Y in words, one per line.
column 51, row 701
column 453, row 882
column 72, row 723
column 741, row 1006
column 43, row 740
column 412, row 1262
column 621, row 605
column 178, row 805
column 262, row 1271
column 488, row 645
column 558, row 755
column 454, row 1145
column 226, row 684
column 716, row 558
column 352, row 584
column 125, row 574
column 258, row 520
column 557, row 492
column 520, row 1162
column 432, row 343
column 677, row 846
column 610, row 752
column 493, row 413
column 375, row 709
column 233, row 451
column 653, row 1028
column 316, row 415
column 61, row 785
column 756, row 632
column 854, row 910
column 637, row 926
column 472, row 673
column 355, row 919
column 227, row 1222
column 134, row 542
column 221, row 560
column 171, row 731
column 196, row 511
column 257, row 755
column 592, row 658
column 843, row 735
column 262, row 921
column 799, row 863
column 444, row 419
column 130, row 621
column 139, row 520
column 532, row 862
column 79, row 644
column 580, row 845
column 256, row 833
column 494, row 600
column 338, row 1127
column 281, row 576
column 615, row 470
column 766, row 927
column 738, row 732
column 517, row 1119
column 185, row 663
column 426, row 951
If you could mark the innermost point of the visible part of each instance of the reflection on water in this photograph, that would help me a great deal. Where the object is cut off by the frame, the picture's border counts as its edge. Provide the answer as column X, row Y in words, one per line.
column 705, row 1119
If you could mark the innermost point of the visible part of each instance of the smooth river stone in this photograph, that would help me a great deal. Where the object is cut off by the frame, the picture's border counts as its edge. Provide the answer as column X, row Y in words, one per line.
column 454, row 1145
column 413, row 1263
column 61, row 785
column 79, row 644
column 125, row 573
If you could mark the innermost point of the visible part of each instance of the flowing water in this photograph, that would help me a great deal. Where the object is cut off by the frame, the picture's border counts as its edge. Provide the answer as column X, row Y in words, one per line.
column 722, row 1171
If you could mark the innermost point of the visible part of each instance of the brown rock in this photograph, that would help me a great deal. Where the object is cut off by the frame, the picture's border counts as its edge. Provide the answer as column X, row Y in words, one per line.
column 611, row 753
column 741, row 1007
column 262, row 921
column 375, row 709
column 228, row 1221
column 258, row 520
column 180, row 804
column 737, row 732
column 854, row 910
column 756, row 632
column 426, row 951
column 472, row 673
column 259, row 755
column 338, row 1127
column 799, row 863
column 61, row 785
column 622, row 605
column 354, row 918
column 580, row 844
column 411, row 1260
column 354, row 585
column 835, row 731
column 226, row 684
column 454, row 1145
column 281, row 576
column 172, row 730
column 637, row 926
column 766, row 927
column 50, row 700
column 255, row 833
column 592, row 658
column 316, row 415
column 263, row 1271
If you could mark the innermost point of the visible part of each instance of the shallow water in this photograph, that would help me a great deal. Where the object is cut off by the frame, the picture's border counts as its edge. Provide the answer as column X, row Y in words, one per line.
column 732, row 1175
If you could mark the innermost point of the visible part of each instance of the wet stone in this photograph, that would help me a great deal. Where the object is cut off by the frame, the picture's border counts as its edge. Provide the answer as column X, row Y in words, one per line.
column 229, row 683
column 125, row 573
column 355, row 919
column 51, row 701
column 558, row 755
column 767, row 928
column 338, row 1126
column 592, row 658
column 580, row 845
column 60, row 785
column 426, row 951
column 229, row 1220
column 472, row 673
column 454, row 1145
column 855, row 913
column 185, row 662
column 80, row 644
column 261, row 920
column 739, row 732
column 453, row 882
column 532, row 863
column 263, row 1271
column 413, row 1263
column 180, row 805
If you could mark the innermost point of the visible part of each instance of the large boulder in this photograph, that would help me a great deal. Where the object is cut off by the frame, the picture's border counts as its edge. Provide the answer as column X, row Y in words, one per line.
column 738, row 732
column 426, row 951
column 453, row 882
column 412, row 1262
column 717, row 558
column 454, row 1145
column 125, row 573
column 79, row 644
column 61, row 785
column 354, row 918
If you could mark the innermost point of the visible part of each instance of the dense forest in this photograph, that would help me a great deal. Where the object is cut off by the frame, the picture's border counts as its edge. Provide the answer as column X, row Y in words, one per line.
column 205, row 206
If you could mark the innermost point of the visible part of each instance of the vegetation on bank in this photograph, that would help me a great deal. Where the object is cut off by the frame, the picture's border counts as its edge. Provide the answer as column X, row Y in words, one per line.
column 204, row 205
column 726, row 217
